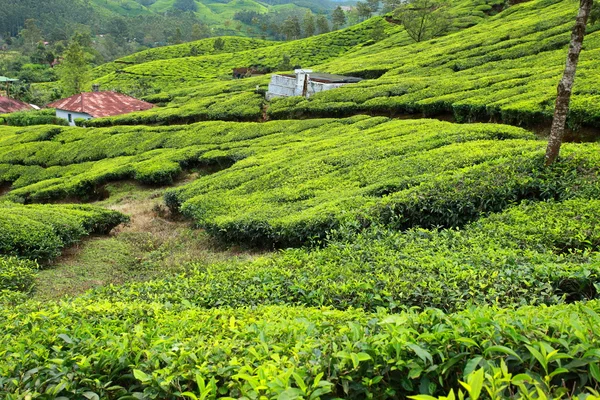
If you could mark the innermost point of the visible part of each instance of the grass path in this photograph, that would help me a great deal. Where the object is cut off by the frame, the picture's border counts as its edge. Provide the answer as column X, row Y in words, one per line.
column 154, row 244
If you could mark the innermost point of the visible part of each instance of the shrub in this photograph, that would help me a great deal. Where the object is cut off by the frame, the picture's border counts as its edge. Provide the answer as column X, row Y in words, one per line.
column 17, row 275
column 174, row 350
column 39, row 232
column 535, row 253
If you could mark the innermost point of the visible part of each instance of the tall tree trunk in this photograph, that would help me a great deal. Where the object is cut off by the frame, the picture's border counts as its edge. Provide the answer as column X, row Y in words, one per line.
column 565, row 86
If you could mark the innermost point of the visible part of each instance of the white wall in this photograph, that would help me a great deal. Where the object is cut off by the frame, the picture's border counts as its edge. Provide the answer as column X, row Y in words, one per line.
column 281, row 86
column 284, row 86
column 65, row 115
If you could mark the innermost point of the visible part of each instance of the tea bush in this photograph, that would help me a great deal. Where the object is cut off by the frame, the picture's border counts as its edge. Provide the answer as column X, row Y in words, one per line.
column 39, row 232
column 169, row 351
column 169, row 74
column 505, row 68
column 286, row 183
column 538, row 253
column 16, row 274
column 33, row 117
column 189, row 49
column 289, row 199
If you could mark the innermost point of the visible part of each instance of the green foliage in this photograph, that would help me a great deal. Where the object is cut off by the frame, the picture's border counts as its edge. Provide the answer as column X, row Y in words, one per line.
column 423, row 19
column 74, row 70
column 538, row 253
column 504, row 69
column 16, row 275
column 292, row 181
column 174, row 350
column 39, row 232
column 36, row 117
column 170, row 74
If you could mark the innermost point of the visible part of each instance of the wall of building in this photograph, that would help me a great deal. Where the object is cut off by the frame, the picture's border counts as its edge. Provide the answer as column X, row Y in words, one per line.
column 285, row 86
column 316, row 87
column 65, row 115
column 281, row 86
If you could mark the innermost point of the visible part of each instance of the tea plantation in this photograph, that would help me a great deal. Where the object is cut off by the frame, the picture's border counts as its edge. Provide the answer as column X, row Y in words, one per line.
column 504, row 68
column 368, row 256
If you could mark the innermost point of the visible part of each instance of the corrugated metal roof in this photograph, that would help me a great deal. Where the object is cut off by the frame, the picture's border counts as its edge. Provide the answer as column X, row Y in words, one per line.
column 101, row 104
column 11, row 105
column 332, row 78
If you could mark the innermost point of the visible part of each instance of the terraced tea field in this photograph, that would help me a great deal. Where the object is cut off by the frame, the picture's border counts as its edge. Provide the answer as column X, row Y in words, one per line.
column 320, row 248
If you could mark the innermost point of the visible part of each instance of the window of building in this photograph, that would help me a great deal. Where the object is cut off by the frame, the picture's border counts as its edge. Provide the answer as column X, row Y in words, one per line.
column 70, row 118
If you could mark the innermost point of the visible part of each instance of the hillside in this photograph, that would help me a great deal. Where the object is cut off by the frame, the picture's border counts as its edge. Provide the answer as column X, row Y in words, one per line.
column 504, row 69
column 395, row 238
column 59, row 17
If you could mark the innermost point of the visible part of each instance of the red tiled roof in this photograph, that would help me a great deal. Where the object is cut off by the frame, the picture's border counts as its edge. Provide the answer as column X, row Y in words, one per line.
column 101, row 104
column 11, row 105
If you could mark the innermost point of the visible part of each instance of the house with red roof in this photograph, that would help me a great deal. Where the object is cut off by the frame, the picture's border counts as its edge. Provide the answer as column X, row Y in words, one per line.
column 8, row 105
column 97, row 104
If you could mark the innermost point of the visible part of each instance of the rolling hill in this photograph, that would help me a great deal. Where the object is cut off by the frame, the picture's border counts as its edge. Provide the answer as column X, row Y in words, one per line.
column 394, row 238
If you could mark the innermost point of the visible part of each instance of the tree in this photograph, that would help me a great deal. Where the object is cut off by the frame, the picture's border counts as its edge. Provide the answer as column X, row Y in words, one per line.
column 286, row 63
column 423, row 19
column 563, row 98
column 177, row 36
column 378, row 32
column 74, row 70
column 390, row 5
column 322, row 24
column 291, row 28
column 185, row 5
column 31, row 36
column 309, row 24
column 200, row 31
column 373, row 5
column 218, row 44
column 364, row 11
column 338, row 17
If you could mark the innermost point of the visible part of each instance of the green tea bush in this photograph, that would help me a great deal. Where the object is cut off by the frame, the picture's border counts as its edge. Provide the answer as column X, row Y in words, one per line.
column 286, row 183
column 534, row 253
column 289, row 199
column 16, row 274
column 39, row 232
column 33, row 117
column 169, row 351
column 505, row 68
column 171, row 73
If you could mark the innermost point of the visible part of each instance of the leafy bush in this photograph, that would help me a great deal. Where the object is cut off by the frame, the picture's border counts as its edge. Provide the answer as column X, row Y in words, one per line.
column 17, row 275
column 503, row 69
column 28, row 118
column 286, row 183
column 174, row 350
column 39, row 232
column 538, row 253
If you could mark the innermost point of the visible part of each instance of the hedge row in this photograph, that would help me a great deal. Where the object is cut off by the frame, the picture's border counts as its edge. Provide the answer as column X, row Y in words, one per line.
column 98, row 349
column 504, row 69
column 292, row 197
column 39, row 232
column 538, row 253
column 28, row 118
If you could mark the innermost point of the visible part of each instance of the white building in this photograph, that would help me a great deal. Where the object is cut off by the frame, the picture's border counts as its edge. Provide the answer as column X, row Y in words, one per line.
column 305, row 83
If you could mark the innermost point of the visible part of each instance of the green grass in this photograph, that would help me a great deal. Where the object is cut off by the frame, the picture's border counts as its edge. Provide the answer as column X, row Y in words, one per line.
column 150, row 246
